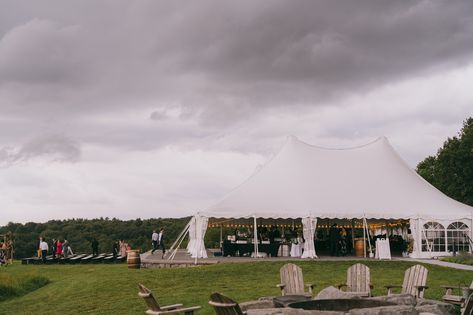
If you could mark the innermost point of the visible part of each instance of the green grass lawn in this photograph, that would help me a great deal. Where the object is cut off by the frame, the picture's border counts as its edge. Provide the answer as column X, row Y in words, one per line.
column 462, row 258
column 112, row 289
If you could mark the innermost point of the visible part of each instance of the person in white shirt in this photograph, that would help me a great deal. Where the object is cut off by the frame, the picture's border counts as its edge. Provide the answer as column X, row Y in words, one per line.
column 155, row 241
column 44, row 249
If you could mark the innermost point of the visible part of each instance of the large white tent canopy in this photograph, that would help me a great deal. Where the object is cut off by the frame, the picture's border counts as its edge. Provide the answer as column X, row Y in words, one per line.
column 310, row 182
column 369, row 181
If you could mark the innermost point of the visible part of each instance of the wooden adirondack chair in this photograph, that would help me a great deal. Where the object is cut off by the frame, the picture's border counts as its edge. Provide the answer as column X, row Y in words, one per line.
column 449, row 297
column 358, row 280
column 224, row 305
column 415, row 280
column 468, row 309
column 292, row 281
column 155, row 309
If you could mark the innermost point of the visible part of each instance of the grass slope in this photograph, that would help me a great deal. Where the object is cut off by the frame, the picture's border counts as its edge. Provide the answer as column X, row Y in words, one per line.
column 111, row 289
column 18, row 285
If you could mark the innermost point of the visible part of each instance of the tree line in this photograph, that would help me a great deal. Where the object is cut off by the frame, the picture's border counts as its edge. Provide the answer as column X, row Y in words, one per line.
column 80, row 232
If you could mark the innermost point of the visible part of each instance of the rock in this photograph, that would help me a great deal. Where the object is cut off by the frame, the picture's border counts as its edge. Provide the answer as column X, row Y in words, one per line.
column 435, row 307
column 386, row 310
column 256, row 305
column 334, row 293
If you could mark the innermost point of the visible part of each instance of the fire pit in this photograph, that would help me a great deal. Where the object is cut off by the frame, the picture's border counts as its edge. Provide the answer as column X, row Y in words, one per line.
column 340, row 305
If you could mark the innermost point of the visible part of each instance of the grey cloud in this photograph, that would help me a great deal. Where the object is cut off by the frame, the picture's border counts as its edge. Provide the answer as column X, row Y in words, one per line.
column 158, row 115
column 221, row 64
column 57, row 148
column 41, row 52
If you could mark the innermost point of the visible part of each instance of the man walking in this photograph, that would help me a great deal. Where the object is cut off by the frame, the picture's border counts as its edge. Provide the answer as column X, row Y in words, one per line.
column 155, row 241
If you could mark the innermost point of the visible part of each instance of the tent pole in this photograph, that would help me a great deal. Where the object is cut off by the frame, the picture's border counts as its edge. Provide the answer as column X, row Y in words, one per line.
column 364, row 238
column 255, row 231
column 369, row 239
column 352, row 235
column 221, row 238
column 183, row 235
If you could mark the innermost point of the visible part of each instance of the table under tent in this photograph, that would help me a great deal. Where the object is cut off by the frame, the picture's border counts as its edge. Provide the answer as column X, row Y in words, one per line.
column 370, row 186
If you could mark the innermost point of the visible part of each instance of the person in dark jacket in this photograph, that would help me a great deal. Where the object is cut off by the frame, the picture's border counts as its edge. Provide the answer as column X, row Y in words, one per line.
column 116, row 248
column 53, row 248
column 95, row 247
column 334, row 238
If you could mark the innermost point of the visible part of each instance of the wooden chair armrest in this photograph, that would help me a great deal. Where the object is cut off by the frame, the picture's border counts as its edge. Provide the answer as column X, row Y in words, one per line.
column 341, row 286
column 170, row 307
column 218, row 304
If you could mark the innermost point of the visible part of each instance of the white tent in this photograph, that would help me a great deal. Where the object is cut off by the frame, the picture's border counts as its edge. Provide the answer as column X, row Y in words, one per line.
column 369, row 181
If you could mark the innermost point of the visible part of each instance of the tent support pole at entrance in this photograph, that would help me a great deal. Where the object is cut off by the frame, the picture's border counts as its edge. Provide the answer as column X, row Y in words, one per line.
column 365, row 228
column 255, row 231
column 364, row 238
column 178, row 241
column 352, row 233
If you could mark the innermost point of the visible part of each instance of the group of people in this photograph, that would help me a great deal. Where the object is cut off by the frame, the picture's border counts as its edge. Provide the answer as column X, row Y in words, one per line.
column 339, row 243
column 57, row 248
column 63, row 249
column 157, row 239
column 5, row 252
column 120, row 248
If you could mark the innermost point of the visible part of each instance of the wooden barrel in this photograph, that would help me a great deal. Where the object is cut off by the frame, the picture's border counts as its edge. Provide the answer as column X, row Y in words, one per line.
column 133, row 259
column 359, row 247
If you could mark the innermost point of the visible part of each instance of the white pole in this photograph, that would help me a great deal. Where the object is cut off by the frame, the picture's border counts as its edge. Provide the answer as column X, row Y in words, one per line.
column 369, row 240
column 181, row 235
column 364, row 239
column 221, row 239
column 255, row 231
column 196, row 227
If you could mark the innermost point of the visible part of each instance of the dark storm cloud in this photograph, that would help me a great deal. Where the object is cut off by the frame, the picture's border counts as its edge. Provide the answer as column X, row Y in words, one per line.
column 220, row 64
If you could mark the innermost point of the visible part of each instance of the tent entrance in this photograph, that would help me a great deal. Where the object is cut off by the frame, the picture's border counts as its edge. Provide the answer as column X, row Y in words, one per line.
column 348, row 237
column 237, row 237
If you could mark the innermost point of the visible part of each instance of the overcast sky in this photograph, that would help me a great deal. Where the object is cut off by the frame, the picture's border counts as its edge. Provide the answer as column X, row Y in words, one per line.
column 155, row 109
